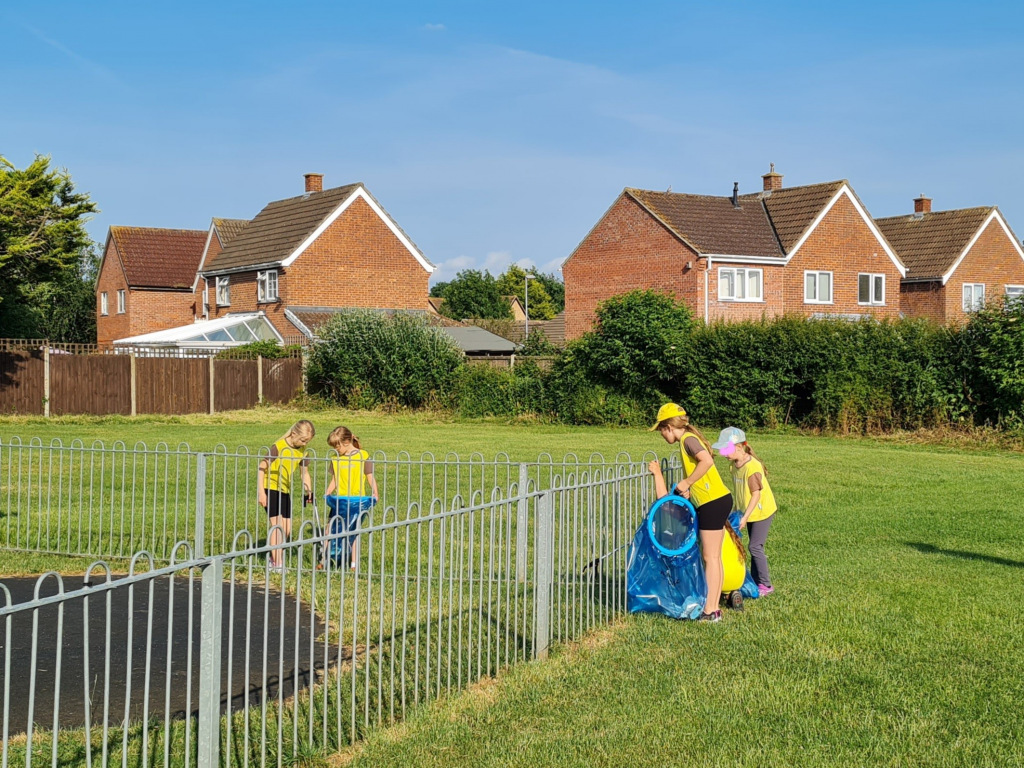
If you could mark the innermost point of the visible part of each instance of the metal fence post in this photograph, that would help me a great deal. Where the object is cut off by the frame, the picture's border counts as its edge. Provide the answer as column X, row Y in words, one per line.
column 522, row 523
column 200, row 505
column 209, row 664
column 543, row 574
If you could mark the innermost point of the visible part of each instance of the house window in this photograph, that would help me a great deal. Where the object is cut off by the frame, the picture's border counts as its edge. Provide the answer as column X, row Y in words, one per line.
column 104, row 305
column 224, row 292
column 817, row 287
column 266, row 285
column 974, row 296
column 122, row 300
column 740, row 284
column 871, row 289
column 1014, row 292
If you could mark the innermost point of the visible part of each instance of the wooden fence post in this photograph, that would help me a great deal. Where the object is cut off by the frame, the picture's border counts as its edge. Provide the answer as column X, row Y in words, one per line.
column 212, row 386
column 134, row 379
column 46, row 380
column 259, row 379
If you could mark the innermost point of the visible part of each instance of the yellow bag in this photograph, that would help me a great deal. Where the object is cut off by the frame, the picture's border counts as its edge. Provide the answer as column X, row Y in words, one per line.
column 734, row 561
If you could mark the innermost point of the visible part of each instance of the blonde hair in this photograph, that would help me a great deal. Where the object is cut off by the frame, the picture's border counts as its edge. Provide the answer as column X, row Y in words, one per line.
column 750, row 451
column 304, row 430
column 683, row 423
column 341, row 435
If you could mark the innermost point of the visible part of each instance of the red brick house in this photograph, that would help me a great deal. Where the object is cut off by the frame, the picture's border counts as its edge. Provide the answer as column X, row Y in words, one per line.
column 220, row 233
column 325, row 249
column 811, row 250
column 956, row 260
column 145, row 280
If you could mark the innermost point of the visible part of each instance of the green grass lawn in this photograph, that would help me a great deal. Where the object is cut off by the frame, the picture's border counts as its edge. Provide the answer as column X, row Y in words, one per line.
column 894, row 639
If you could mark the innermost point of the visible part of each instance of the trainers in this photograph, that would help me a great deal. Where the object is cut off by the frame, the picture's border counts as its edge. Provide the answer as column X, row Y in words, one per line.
column 735, row 600
column 765, row 590
column 713, row 616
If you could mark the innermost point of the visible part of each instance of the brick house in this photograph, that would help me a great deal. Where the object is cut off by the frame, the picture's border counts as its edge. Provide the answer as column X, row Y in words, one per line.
column 955, row 259
column 145, row 280
column 811, row 250
column 325, row 249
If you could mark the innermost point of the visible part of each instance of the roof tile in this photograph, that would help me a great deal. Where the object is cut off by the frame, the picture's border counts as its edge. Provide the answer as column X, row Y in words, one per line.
column 930, row 243
column 159, row 258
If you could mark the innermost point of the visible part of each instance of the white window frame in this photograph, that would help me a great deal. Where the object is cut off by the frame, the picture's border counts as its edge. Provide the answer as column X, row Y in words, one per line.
column 104, row 304
column 223, row 293
column 122, row 301
column 1014, row 291
column 817, row 283
column 974, row 303
column 740, row 276
column 264, row 282
column 873, row 300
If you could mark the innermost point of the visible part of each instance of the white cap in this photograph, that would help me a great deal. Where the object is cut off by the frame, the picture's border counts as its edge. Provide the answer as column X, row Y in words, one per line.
column 733, row 435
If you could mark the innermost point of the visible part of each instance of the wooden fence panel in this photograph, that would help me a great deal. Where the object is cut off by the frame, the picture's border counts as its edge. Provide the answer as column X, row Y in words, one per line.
column 93, row 384
column 235, row 384
column 282, row 379
column 172, row 385
column 21, row 381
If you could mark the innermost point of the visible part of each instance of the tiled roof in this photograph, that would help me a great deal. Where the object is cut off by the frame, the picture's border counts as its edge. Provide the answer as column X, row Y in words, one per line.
column 228, row 229
column 159, row 258
column 930, row 243
column 792, row 210
column 713, row 224
column 279, row 229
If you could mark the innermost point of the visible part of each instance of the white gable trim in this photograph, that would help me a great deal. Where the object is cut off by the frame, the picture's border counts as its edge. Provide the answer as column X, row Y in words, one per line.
column 737, row 259
column 360, row 193
column 984, row 225
column 294, row 319
column 845, row 190
column 202, row 261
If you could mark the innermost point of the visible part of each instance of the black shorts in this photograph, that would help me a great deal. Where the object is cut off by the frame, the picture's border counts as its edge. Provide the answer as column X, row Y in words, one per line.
column 279, row 504
column 714, row 515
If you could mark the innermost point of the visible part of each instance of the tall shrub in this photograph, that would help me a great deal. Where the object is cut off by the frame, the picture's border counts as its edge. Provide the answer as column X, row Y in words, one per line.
column 989, row 362
column 364, row 359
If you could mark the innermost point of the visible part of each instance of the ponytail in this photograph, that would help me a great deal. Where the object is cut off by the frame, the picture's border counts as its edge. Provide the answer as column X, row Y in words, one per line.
column 683, row 422
column 753, row 455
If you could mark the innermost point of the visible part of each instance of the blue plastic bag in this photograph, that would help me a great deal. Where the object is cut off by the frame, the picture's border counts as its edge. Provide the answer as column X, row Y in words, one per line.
column 664, row 571
column 344, row 516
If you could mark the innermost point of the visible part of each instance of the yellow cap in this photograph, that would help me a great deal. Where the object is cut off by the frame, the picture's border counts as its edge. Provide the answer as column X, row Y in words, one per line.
column 667, row 411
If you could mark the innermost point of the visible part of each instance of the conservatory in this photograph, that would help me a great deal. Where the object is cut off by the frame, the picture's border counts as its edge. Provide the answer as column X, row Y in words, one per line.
column 212, row 335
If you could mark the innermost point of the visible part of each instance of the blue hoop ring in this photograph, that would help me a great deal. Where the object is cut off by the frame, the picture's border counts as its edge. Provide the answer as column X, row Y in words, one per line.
column 691, row 539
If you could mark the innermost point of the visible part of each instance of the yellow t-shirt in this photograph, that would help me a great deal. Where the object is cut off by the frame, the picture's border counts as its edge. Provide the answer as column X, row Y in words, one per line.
column 766, row 506
column 283, row 461
column 350, row 473
column 710, row 486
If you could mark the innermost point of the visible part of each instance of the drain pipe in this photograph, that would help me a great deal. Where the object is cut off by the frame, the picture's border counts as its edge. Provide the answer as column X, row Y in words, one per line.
column 707, row 295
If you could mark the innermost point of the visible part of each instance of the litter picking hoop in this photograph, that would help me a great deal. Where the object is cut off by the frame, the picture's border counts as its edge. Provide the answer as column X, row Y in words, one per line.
column 691, row 537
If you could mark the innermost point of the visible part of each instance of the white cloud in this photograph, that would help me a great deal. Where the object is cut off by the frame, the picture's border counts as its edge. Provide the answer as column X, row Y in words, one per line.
column 434, row 27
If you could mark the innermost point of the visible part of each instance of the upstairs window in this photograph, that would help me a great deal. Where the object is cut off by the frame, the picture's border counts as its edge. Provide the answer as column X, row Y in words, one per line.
column 223, row 292
column 266, row 285
column 740, row 284
column 122, row 301
column 817, row 287
column 871, row 289
column 974, row 296
column 104, row 304
column 1014, row 292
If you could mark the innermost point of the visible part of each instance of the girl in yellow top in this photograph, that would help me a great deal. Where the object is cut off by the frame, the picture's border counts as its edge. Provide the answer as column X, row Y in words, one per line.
column 351, row 471
column 754, row 497
column 274, row 482
column 704, row 487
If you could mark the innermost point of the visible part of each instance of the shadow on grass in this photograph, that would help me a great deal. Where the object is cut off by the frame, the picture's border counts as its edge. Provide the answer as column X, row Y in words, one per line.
column 930, row 549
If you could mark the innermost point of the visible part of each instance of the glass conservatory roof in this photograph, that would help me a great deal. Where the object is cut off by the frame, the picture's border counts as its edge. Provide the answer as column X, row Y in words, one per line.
column 229, row 331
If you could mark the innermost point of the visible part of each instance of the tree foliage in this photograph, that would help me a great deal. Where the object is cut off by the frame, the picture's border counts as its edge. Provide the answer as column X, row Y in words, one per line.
column 474, row 294
column 46, row 266
column 513, row 283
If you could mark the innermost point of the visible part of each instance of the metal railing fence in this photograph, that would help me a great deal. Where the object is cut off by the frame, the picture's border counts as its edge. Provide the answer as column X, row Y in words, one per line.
column 112, row 501
column 218, row 660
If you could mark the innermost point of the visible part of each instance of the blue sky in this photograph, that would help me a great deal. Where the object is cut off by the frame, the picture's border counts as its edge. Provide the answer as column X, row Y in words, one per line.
column 500, row 133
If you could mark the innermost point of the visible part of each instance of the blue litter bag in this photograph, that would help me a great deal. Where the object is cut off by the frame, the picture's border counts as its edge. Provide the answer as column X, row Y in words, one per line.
column 344, row 515
column 749, row 589
column 664, row 571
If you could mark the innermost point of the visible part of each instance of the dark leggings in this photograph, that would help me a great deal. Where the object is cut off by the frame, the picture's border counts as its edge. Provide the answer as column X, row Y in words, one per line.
column 758, row 533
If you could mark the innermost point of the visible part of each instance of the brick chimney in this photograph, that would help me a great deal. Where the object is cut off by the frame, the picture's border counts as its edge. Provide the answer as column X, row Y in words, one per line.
column 922, row 204
column 772, row 180
column 314, row 182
